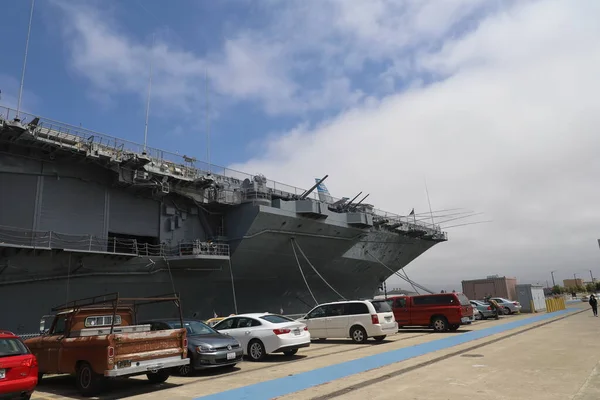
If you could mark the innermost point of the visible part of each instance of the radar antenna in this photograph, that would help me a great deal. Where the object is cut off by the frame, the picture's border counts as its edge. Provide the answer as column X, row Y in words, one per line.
column 148, row 97
column 25, row 60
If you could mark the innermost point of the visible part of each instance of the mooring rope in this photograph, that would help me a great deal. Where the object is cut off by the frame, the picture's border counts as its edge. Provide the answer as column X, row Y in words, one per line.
column 317, row 272
column 413, row 284
column 302, row 272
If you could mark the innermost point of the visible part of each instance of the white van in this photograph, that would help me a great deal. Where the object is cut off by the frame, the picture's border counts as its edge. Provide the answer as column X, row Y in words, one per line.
column 358, row 320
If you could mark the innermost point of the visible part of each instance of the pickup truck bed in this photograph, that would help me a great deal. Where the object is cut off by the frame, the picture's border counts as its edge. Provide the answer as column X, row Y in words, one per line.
column 94, row 354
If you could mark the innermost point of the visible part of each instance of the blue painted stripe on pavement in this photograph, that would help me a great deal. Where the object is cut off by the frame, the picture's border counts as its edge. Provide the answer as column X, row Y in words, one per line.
column 290, row 384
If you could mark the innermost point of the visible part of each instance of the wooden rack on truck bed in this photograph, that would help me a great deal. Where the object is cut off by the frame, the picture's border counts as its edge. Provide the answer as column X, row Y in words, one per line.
column 97, row 338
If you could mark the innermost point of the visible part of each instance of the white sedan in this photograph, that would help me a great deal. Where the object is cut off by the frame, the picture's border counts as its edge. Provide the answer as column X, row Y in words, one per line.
column 265, row 333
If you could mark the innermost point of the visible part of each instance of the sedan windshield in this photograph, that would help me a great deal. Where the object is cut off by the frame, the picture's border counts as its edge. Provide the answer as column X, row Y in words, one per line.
column 12, row 347
column 194, row 327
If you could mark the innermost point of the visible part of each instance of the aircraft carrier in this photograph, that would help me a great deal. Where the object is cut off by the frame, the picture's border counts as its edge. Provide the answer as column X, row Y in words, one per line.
column 83, row 213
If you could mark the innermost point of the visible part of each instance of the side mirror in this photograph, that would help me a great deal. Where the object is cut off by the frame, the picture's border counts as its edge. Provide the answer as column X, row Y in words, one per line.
column 43, row 329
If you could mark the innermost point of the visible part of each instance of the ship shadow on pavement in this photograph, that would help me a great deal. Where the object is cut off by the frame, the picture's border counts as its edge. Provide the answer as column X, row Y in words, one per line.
column 63, row 387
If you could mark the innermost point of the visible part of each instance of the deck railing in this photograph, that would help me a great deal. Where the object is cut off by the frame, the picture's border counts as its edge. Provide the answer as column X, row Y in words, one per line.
column 167, row 162
column 10, row 236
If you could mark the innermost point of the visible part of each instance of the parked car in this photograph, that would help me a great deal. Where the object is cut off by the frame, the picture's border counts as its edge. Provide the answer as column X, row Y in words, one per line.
column 215, row 320
column 508, row 306
column 264, row 333
column 358, row 320
column 484, row 309
column 442, row 311
column 207, row 348
column 95, row 341
column 18, row 368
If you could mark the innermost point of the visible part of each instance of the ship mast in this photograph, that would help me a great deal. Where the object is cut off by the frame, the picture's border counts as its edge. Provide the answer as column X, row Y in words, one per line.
column 207, row 120
column 25, row 60
column 148, row 99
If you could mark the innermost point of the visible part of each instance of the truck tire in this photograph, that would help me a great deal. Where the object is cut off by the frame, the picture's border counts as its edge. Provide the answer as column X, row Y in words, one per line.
column 158, row 377
column 439, row 324
column 88, row 382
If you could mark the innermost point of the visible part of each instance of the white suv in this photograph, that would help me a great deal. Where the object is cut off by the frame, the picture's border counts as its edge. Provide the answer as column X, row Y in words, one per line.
column 358, row 320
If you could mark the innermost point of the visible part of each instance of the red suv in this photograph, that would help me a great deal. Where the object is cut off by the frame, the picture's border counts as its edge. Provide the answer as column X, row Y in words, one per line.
column 18, row 368
column 442, row 312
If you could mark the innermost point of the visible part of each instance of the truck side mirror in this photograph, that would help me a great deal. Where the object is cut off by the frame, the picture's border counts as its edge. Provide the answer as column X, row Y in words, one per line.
column 43, row 329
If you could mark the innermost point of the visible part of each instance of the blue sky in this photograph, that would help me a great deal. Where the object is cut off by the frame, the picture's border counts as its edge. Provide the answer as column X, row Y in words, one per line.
column 272, row 66
column 492, row 102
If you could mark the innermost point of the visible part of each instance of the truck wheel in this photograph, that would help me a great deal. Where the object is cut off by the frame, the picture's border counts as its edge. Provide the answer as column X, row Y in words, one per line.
column 158, row 377
column 358, row 334
column 88, row 382
column 440, row 324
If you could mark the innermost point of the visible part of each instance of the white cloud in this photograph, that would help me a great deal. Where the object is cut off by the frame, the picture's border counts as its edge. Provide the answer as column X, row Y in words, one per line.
column 298, row 62
column 512, row 130
column 250, row 66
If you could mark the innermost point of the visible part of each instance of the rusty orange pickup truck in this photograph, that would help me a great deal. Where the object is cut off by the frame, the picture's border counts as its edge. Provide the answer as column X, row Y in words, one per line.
column 97, row 338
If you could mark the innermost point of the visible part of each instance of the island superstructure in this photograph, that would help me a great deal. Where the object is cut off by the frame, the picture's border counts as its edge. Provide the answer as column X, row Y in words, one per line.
column 83, row 213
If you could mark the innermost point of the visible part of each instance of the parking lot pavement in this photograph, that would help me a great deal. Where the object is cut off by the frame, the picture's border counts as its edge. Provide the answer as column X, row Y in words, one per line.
column 554, row 361
column 319, row 355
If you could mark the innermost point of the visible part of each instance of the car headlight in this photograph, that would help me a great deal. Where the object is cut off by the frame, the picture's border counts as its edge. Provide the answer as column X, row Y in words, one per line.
column 204, row 349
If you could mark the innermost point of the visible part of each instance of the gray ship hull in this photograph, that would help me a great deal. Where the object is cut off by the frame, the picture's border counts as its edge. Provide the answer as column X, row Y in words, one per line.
column 78, row 221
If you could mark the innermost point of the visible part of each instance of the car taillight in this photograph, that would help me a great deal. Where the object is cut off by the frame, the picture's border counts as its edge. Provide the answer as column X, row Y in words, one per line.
column 489, row 308
column 185, row 343
column 374, row 319
column 29, row 362
column 515, row 303
column 281, row 331
column 306, row 328
column 111, row 351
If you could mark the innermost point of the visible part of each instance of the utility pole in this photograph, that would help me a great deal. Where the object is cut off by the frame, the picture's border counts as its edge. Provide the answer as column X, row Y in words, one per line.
column 591, row 276
column 552, row 273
